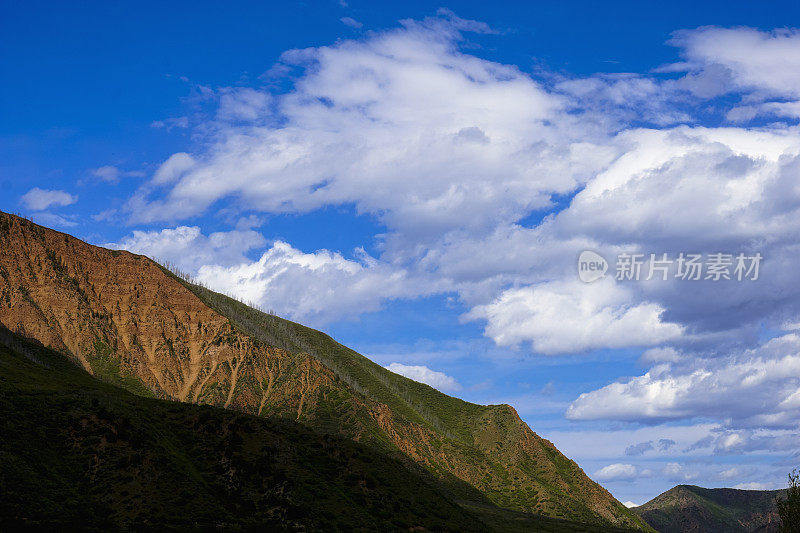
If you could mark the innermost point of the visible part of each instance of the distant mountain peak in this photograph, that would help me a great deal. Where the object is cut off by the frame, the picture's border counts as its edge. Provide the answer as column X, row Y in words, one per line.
column 692, row 508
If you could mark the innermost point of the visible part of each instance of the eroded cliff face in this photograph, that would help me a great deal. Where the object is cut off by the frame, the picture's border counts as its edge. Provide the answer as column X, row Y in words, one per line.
column 106, row 308
column 126, row 320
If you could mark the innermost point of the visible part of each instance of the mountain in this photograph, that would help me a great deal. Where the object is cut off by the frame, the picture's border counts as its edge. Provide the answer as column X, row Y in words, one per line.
column 687, row 508
column 129, row 322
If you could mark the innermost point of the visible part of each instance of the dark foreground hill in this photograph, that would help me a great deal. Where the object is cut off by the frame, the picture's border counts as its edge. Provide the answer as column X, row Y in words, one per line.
column 78, row 453
column 127, row 321
column 687, row 508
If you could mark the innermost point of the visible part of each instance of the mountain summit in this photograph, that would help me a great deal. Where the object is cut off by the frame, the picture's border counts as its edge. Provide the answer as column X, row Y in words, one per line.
column 132, row 323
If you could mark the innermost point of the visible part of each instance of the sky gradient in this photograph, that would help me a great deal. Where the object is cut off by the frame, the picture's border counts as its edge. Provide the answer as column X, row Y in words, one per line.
column 419, row 179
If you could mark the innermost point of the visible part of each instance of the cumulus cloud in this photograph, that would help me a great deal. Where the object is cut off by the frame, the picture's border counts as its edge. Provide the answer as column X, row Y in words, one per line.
column 107, row 173
column 314, row 287
column 759, row 66
column 755, row 387
column 38, row 199
column 423, row 374
column 763, row 61
column 661, row 354
column 243, row 104
column 625, row 98
column 173, row 168
column 755, row 485
column 620, row 472
column 677, row 472
column 568, row 317
column 188, row 249
column 730, row 473
column 724, row 441
column 403, row 125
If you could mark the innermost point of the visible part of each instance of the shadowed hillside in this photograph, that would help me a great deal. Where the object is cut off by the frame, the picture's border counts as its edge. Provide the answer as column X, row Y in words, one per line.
column 80, row 453
column 129, row 322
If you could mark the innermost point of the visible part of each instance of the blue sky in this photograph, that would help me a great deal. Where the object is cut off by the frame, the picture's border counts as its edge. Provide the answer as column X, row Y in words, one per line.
column 418, row 179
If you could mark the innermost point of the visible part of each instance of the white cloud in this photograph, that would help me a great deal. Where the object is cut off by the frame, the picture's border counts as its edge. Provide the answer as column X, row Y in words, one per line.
column 40, row 199
column 730, row 473
column 243, row 103
column 568, row 317
column 620, row 472
column 741, row 441
column 625, row 98
column 188, row 249
column 764, row 61
column 112, row 174
column 51, row 219
column 726, row 178
column 755, row 485
column 402, row 125
column 107, row 173
column 677, row 472
column 665, row 354
column 629, row 504
column 755, row 387
column 173, row 168
column 423, row 374
column 351, row 22
column 314, row 287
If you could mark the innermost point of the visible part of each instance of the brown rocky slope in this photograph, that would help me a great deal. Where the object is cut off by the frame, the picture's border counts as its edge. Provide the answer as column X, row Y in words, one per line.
column 130, row 322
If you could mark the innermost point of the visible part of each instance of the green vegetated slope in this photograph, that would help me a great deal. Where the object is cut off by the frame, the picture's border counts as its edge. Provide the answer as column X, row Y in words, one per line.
column 690, row 508
column 522, row 471
column 131, row 323
column 80, row 453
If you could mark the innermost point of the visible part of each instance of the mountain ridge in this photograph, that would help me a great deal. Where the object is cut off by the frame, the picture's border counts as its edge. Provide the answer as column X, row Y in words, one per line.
column 129, row 321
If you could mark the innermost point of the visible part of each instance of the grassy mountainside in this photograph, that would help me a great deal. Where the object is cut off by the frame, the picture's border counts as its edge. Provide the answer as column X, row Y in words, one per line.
column 488, row 446
column 690, row 508
column 80, row 453
column 127, row 321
